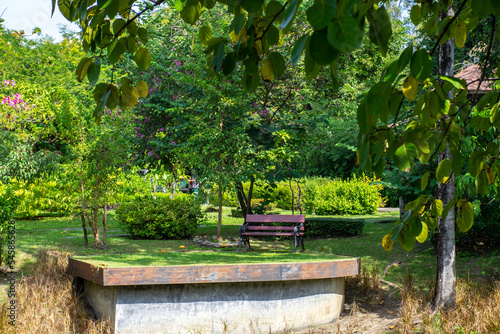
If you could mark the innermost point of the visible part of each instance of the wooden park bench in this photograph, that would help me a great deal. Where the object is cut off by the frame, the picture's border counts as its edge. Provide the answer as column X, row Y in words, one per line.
column 264, row 225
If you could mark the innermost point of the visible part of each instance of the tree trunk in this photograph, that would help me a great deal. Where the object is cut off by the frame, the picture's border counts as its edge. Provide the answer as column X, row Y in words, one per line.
column 445, row 291
column 219, row 219
column 243, row 200
column 104, row 221
column 84, row 226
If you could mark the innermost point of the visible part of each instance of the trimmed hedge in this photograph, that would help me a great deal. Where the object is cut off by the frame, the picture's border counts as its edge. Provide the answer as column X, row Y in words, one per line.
column 161, row 218
column 333, row 227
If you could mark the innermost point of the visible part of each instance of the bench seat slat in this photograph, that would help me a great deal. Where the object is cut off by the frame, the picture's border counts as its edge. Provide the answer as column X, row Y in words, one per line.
column 271, row 228
column 275, row 218
column 289, row 234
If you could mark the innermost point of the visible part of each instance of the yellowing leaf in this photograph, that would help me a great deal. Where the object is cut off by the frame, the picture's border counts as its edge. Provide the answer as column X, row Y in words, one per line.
column 491, row 175
column 387, row 242
column 423, row 235
column 460, row 35
column 242, row 34
column 266, row 70
column 410, row 88
column 142, row 88
column 465, row 217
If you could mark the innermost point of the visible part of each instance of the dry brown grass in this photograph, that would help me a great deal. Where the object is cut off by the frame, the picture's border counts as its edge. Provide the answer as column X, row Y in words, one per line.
column 476, row 311
column 46, row 302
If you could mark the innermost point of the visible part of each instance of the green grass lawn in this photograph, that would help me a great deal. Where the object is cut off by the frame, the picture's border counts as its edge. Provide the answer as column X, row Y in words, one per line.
column 65, row 234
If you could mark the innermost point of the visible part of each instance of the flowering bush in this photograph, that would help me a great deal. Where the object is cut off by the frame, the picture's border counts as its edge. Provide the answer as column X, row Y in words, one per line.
column 161, row 218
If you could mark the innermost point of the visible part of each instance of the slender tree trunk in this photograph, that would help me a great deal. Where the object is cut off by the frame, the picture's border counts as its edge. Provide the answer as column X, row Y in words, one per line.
column 240, row 194
column 445, row 291
column 219, row 219
column 84, row 226
column 104, row 221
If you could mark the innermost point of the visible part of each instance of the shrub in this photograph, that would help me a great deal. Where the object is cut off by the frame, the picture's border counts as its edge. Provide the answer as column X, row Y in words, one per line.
column 332, row 227
column 356, row 196
column 485, row 231
column 161, row 218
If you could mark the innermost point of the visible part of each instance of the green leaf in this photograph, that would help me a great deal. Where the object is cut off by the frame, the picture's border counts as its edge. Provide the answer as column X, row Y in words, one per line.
column 290, row 12
column 404, row 156
column 118, row 26
column 443, row 171
column 380, row 30
column 448, row 207
column 395, row 230
column 311, row 67
column 142, row 33
column 112, row 9
column 455, row 82
column 117, row 49
column 321, row 50
column 273, row 35
column 421, row 65
column 430, row 221
column 424, row 181
column 404, row 58
column 465, row 218
column 406, row 240
column 67, row 9
column 237, row 24
column 335, row 78
column 482, row 184
column 143, row 59
column 251, row 6
column 278, row 63
column 218, row 57
column 379, row 96
column 437, row 208
column 191, row 11
column 93, row 72
column 345, row 34
column 229, row 63
column 321, row 13
column 460, row 35
column 415, row 15
column 81, row 69
column 142, row 89
column 475, row 163
column 423, row 234
column 297, row 49
column 457, row 162
column 495, row 116
column 250, row 82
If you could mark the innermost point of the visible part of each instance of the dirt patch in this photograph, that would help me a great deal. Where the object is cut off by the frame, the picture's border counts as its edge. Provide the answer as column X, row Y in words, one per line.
column 363, row 313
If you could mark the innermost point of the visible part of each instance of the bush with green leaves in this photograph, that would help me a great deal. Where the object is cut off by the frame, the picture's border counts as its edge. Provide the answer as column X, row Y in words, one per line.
column 161, row 218
column 356, row 196
column 332, row 227
column 485, row 233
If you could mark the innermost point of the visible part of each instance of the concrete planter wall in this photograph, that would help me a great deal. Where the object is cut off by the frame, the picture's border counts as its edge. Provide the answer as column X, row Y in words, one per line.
column 259, row 298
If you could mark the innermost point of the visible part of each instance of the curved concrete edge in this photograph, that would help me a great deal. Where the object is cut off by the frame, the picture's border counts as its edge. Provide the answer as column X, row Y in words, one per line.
column 195, row 274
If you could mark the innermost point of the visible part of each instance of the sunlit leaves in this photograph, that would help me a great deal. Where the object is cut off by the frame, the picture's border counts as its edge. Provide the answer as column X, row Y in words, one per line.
column 424, row 181
column 421, row 65
column 422, row 237
column 266, row 70
column 404, row 156
column 117, row 49
column 410, row 88
column 437, row 208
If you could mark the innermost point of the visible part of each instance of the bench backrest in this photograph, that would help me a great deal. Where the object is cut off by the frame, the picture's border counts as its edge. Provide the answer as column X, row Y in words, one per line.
column 276, row 219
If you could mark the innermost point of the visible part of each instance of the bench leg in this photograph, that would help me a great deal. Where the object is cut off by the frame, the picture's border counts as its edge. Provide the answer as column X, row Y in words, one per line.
column 294, row 243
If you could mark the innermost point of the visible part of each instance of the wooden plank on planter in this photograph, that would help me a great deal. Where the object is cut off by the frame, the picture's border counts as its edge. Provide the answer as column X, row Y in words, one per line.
column 214, row 273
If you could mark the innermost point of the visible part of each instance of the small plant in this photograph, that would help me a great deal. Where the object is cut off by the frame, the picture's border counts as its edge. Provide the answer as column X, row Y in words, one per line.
column 161, row 218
